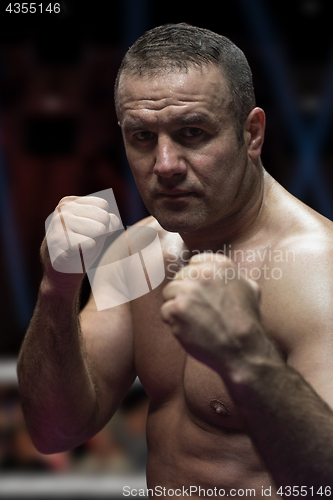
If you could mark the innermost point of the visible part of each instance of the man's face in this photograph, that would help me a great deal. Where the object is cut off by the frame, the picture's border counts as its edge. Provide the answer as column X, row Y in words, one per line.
column 181, row 145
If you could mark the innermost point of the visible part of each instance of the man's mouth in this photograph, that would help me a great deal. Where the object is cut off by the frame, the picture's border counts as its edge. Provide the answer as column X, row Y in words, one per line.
column 174, row 194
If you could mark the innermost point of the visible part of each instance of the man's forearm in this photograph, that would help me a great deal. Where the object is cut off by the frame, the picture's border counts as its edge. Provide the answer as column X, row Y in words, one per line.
column 57, row 389
column 219, row 324
column 291, row 426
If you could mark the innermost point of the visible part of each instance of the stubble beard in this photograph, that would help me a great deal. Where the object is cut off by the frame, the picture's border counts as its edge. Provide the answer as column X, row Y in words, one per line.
column 181, row 221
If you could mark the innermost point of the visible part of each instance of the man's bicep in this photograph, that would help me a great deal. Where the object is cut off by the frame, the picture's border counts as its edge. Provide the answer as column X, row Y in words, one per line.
column 108, row 341
column 313, row 359
column 305, row 312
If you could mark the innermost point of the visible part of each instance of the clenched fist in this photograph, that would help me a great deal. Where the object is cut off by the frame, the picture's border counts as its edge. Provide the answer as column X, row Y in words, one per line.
column 76, row 233
column 216, row 318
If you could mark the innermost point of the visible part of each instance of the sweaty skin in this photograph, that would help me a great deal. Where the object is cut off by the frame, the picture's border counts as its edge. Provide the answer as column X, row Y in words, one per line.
column 179, row 135
column 208, row 193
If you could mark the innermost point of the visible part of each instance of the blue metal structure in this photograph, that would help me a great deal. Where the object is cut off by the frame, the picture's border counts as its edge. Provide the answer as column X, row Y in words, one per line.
column 308, row 139
column 17, row 276
column 135, row 21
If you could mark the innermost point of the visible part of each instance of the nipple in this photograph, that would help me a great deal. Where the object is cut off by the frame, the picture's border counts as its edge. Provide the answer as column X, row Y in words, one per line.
column 220, row 408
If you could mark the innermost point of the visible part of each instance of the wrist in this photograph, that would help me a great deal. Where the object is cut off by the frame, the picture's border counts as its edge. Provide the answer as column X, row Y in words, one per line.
column 247, row 374
column 65, row 287
column 250, row 357
column 57, row 282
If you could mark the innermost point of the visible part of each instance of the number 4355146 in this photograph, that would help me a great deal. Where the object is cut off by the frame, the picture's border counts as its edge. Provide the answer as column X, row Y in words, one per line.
column 32, row 8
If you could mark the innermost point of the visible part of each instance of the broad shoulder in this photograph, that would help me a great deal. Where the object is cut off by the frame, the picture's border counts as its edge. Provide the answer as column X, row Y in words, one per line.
column 297, row 299
column 303, row 235
column 298, row 286
column 298, row 233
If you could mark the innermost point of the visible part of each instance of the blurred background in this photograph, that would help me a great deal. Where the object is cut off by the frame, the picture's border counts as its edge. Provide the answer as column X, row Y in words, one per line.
column 59, row 136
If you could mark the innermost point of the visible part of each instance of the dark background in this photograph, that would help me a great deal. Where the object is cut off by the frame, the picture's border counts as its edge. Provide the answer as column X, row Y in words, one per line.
column 58, row 128
column 59, row 136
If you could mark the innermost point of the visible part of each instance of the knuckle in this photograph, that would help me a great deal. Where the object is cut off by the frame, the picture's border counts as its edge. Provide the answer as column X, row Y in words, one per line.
column 65, row 217
column 88, row 244
column 105, row 218
column 104, row 205
column 226, row 263
column 100, row 227
column 181, row 306
column 67, row 199
column 95, row 201
column 114, row 221
column 257, row 290
column 165, row 291
column 206, row 267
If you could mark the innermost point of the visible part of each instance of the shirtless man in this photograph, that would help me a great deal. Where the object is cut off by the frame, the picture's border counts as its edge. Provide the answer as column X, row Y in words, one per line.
column 240, row 400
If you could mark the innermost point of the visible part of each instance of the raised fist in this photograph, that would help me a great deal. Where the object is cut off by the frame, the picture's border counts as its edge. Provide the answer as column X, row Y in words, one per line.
column 76, row 232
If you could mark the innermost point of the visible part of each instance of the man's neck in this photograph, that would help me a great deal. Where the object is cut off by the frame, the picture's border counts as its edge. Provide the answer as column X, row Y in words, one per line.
column 234, row 229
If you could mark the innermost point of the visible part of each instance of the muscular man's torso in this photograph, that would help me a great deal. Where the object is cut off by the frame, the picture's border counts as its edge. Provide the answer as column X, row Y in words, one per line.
column 195, row 435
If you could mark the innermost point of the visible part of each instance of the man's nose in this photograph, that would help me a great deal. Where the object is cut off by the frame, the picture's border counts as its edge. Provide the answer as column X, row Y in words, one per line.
column 168, row 159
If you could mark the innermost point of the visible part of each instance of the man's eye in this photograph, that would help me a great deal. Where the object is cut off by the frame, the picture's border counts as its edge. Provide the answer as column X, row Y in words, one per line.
column 192, row 131
column 145, row 135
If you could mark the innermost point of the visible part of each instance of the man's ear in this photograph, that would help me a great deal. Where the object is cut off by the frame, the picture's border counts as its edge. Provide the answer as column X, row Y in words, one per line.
column 254, row 130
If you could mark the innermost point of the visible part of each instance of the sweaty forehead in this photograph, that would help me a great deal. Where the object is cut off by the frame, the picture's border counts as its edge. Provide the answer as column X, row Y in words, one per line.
column 200, row 88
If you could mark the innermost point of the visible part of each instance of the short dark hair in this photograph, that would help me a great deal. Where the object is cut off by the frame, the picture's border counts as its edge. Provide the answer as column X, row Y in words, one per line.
column 181, row 45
